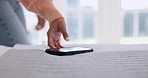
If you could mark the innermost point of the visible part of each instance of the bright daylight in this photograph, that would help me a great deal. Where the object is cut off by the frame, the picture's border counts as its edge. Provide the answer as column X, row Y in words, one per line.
column 73, row 38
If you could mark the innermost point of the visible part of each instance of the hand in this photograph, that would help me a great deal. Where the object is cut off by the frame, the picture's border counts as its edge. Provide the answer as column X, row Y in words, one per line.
column 41, row 23
column 57, row 28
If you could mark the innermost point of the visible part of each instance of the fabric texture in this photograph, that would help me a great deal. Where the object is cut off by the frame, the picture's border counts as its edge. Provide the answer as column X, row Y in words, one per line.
column 35, row 63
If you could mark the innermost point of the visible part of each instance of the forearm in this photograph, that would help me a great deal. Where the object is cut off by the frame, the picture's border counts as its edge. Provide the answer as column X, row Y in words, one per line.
column 43, row 8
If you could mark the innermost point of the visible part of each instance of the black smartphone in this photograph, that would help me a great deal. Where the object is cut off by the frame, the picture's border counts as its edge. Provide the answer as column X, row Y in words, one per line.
column 69, row 51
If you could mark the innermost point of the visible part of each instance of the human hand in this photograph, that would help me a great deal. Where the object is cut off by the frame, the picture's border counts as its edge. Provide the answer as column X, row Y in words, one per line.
column 41, row 23
column 57, row 28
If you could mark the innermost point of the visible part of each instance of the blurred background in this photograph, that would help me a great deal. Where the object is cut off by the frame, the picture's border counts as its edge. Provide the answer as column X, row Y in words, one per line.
column 97, row 22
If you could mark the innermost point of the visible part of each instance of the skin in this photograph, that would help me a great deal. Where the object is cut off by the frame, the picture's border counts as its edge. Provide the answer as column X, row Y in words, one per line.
column 41, row 23
column 57, row 28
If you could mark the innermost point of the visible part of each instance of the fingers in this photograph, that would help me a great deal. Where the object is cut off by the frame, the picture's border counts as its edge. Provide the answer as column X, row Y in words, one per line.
column 50, row 39
column 41, row 23
column 39, row 27
column 58, row 45
column 51, row 43
column 65, row 34
column 54, row 45
column 62, row 29
column 57, row 28
column 54, row 39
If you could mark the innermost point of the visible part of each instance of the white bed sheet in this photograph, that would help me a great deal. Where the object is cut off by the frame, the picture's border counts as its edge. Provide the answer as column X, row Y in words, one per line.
column 107, row 61
column 3, row 49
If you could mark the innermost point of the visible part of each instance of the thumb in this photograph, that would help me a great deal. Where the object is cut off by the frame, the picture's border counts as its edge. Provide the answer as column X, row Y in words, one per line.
column 64, row 33
column 62, row 28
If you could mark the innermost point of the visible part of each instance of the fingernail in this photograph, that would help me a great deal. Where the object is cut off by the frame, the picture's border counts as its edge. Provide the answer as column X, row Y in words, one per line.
column 67, row 39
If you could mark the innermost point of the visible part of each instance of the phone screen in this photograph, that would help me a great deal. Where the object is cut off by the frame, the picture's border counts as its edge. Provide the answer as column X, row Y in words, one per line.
column 69, row 51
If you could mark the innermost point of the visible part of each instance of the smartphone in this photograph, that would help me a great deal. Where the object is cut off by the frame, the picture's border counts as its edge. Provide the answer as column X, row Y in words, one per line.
column 69, row 51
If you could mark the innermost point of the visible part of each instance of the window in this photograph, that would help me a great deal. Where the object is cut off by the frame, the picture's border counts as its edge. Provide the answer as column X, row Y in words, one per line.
column 143, row 24
column 135, row 21
column 80, row 18
column 128, row 25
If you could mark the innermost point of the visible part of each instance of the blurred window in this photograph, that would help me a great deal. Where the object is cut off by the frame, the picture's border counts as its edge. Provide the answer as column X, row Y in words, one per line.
column 80, row 19
column 135, row 21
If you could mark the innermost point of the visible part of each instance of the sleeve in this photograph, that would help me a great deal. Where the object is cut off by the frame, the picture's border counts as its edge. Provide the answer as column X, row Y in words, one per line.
column 43, row 8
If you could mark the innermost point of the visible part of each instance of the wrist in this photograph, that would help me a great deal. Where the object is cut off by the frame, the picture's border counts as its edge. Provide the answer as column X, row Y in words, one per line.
column 43, row 8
